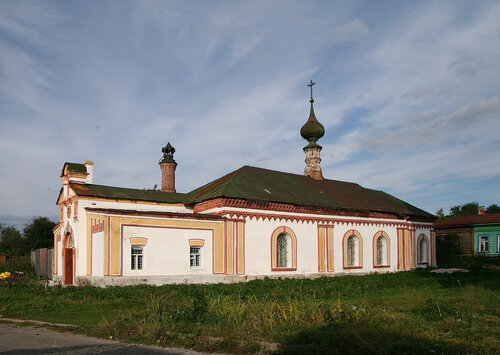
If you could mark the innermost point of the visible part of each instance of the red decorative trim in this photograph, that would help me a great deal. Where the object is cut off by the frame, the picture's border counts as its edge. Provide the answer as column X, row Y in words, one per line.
column 381, row 266
column 284, row 269
column 155, row 213
column 286, row 207
column 322, row 220
column 344, row 249
column 293, row 246
column 377, row 235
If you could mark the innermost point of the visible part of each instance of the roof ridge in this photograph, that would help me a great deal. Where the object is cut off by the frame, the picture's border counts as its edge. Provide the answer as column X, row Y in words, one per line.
column 302, row 175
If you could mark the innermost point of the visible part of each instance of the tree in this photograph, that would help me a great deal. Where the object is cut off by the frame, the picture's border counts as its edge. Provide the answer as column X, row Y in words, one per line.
column 494, row 208
column 467, row 209
column 39, row 233
column 440, row 213
column 12, row 242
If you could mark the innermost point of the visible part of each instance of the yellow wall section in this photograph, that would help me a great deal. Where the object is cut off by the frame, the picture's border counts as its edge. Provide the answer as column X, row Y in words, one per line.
column 113, row 239
column 229, row 248
column 240, row 267
column 433, row 248
column 321, row 248
column 401, row 263
column 329, row 248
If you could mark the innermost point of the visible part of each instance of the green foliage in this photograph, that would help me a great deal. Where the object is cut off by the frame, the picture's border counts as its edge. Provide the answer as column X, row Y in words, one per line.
column 39, row 233
column 407, row 312
column 12, row 242
column 447, row 249
column 494, row 208
column 467, row 209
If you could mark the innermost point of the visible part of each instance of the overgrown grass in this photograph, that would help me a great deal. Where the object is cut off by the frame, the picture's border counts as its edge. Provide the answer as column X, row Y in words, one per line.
column 408, row 312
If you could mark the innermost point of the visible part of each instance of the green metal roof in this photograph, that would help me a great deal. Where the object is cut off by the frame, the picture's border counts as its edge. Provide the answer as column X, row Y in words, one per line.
column 123, row 193
column 257, row 184
column 74, row 167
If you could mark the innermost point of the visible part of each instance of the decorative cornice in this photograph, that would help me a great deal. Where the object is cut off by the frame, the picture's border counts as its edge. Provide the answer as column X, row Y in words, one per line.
column 320, row 220
column 159, row 214
column 293, row 210
column 286, row 207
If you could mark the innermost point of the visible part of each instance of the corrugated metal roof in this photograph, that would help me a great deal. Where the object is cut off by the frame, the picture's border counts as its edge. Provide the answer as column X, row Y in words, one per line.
column 257, row 184
column 469, row 220
column 123, row 193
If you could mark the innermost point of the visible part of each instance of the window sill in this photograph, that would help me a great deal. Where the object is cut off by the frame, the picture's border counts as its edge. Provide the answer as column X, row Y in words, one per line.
column 423, row 263
column 381, row 266
column 284, row 269
column 353, row 267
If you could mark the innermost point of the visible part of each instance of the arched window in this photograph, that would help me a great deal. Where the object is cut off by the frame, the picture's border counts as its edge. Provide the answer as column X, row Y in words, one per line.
column 381, row 253
column 381, row 249
column 283, row 250
column 352, row 249
column 422, row 249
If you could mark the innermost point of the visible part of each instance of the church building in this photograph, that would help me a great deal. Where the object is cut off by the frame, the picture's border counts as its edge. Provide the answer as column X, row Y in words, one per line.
column 250, row 223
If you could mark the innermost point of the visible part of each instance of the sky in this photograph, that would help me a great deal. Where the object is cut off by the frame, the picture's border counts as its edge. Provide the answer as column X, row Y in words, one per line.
column 408, row 93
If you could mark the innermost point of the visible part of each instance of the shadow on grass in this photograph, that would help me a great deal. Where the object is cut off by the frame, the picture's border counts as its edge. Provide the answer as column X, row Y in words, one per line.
column 362, row 339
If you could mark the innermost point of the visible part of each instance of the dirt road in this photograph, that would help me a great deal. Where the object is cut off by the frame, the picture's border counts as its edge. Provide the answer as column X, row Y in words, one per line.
column 15, row 339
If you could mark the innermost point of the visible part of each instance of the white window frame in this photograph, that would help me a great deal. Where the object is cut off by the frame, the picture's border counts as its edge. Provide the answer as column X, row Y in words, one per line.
column 487, row 244
column 136, row 259
column 195, row 259
column 498, row 243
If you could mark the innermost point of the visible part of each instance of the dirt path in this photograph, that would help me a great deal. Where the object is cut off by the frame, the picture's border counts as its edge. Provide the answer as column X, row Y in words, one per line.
column 16, row 339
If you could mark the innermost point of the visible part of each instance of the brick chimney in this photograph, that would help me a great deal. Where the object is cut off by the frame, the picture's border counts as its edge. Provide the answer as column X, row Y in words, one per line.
column 168, row 165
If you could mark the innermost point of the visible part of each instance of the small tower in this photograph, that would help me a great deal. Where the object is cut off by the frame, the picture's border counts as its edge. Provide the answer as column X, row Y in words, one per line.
column 168, row 165
column 312, row 130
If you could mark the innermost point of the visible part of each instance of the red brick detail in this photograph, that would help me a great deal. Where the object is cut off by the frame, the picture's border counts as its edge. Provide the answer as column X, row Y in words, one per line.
column 285, row 207
column 168, row 176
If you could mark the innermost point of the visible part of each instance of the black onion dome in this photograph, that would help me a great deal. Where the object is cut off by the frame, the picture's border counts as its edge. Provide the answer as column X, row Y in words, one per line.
column 312, row 129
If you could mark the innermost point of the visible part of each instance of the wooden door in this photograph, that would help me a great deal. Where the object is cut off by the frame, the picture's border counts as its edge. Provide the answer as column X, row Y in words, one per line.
column 68, row 266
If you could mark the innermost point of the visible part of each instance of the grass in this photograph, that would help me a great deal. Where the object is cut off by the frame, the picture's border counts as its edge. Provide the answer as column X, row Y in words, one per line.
column 406, row 312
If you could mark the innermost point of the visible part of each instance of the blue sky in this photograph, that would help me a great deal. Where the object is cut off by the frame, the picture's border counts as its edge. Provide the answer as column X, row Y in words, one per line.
column 408, row 92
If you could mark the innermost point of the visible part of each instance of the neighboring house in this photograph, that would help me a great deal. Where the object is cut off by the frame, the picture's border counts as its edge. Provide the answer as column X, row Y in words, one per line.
column 250, row 223
column 477, row 234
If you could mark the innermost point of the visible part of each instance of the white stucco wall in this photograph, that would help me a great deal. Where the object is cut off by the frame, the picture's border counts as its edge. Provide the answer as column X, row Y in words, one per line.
column 98, row 254
column 166, row 251
column 258, row 246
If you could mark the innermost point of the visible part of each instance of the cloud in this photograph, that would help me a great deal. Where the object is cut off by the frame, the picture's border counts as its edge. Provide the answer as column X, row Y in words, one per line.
column 407, row 111
column 434, row 127
column 349, row 32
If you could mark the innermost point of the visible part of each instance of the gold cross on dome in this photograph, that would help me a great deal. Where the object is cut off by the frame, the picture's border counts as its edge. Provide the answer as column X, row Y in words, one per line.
column 311, row 86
